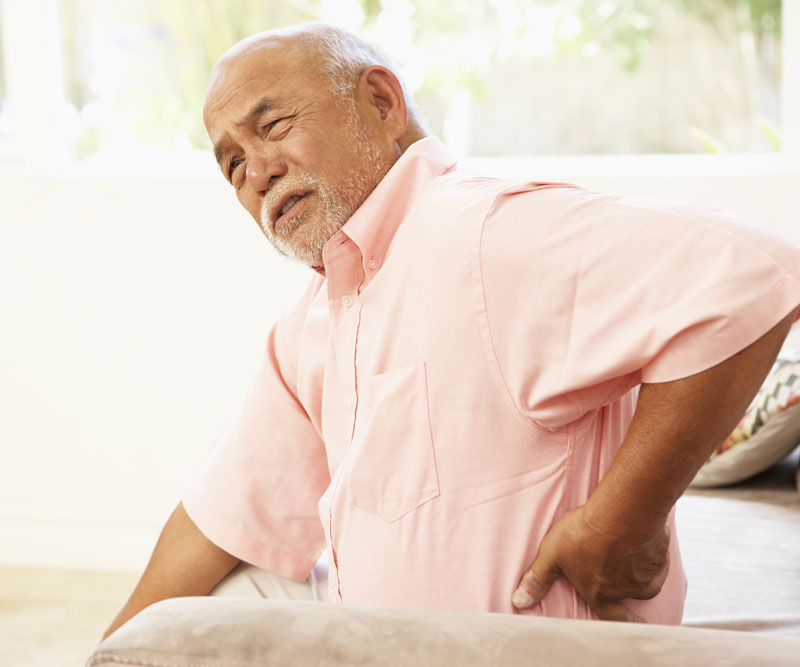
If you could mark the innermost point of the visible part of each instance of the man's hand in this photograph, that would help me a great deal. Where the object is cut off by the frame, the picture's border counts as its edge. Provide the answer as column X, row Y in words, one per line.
column 623, row 566
column 614, row 547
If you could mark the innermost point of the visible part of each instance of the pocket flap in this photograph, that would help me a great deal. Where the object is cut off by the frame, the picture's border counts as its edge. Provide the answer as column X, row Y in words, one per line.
column 394, row 467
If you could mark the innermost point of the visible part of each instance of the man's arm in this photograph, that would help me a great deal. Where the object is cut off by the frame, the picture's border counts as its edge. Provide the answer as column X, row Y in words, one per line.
column 616, row 545
column 184, row 563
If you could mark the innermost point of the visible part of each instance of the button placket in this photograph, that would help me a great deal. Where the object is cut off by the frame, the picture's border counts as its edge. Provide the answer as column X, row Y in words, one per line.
column 345, row 277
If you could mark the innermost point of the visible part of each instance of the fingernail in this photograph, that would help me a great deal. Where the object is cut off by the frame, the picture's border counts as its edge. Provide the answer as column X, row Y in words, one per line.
column 521, row 599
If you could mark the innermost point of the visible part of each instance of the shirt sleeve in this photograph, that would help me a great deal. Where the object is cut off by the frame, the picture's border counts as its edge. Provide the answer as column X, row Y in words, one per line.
column 588, row 295
column 256, row 494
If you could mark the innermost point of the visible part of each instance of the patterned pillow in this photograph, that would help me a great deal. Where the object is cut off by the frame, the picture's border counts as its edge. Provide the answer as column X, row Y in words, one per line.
column 769, row 430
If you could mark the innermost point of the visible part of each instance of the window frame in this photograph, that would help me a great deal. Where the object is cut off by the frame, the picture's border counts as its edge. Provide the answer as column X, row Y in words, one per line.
column 33, row 81
column 790, row 83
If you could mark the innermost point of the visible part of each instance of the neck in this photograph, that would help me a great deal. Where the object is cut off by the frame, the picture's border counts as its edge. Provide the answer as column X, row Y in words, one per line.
column 412, row 134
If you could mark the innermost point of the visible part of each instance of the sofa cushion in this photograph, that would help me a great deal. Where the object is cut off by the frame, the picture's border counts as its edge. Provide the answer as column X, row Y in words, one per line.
column 217, row 632
column 769, row 430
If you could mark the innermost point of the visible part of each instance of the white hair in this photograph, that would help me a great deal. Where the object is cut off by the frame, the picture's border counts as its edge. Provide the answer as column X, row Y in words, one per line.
column 343, row 57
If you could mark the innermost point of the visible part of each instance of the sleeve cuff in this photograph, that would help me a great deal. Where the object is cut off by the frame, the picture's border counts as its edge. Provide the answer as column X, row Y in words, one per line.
column 687, row 355
column 267, row 557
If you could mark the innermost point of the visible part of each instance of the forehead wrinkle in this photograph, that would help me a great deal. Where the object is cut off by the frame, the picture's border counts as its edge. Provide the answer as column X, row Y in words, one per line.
column 247, row 59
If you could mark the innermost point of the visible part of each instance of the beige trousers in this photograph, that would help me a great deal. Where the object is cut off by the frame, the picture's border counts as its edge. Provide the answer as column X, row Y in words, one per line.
column 249, row 581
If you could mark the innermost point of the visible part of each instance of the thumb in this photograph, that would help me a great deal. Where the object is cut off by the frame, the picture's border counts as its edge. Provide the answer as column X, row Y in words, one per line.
column 536, row 583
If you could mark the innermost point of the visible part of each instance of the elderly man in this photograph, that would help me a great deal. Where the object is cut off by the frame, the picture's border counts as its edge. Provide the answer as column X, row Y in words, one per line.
column 492, row 393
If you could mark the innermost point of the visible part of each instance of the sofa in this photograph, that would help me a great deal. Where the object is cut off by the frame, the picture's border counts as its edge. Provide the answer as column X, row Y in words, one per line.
column 741, row 548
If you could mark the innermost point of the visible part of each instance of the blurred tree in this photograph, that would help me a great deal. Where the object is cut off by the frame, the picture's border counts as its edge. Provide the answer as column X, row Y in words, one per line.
column 627, row 27
column 144, row 64
column 163, row 51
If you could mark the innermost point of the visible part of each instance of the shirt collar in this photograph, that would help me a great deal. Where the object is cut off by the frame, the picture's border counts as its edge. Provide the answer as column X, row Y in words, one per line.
column 372, row 227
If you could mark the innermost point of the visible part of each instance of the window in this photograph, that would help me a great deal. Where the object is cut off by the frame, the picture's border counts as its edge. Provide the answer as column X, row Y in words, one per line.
column 126, row 80
column 606, row 77
column 5, row 107
column 494, row 77
column 136, row 70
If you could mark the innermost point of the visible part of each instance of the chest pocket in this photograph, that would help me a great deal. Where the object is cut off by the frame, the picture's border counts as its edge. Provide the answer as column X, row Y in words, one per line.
column 394, row 468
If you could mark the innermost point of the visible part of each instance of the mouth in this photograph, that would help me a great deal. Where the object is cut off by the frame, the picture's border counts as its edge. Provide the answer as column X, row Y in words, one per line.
column 285, row 208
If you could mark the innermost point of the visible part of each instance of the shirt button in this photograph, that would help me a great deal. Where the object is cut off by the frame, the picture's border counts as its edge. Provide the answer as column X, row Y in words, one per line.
column 372, row 264
column 347, row 301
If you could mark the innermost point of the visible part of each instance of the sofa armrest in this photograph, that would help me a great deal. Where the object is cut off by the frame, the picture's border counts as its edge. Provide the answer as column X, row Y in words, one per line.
column 226, row 632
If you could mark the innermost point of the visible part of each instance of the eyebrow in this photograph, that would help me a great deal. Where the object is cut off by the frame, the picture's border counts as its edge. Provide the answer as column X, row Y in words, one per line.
column 218, row 150
column 264, row 104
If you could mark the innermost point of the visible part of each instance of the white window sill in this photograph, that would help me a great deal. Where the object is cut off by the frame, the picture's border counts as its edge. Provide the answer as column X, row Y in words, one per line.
column 635, row 166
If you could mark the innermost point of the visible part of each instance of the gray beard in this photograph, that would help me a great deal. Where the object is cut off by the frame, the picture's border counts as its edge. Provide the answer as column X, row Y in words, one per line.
column 334, row 207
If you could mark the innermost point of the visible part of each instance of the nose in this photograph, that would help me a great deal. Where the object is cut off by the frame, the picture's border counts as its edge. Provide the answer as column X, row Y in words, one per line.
column 263, row 170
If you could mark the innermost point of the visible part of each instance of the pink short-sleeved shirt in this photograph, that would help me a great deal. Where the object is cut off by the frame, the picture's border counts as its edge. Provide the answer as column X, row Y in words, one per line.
column 464, row 374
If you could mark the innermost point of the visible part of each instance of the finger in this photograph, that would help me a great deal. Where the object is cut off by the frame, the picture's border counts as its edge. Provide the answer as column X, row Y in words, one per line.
column 616, row 611
column 633, row 618
column 536, row 582
column 653, row 588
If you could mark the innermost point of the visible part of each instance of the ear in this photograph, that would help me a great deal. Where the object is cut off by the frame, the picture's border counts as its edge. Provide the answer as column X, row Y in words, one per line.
column 382, row 96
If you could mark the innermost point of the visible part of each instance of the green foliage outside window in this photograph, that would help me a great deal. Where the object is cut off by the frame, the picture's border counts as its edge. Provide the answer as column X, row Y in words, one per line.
column 137, row 69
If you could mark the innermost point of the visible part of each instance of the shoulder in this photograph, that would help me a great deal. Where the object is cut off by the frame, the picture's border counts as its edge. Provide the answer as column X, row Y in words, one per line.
column 461, row 197
column 535, row 231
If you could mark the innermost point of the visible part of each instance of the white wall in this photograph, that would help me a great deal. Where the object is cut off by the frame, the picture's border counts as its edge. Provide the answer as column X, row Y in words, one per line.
column 133, row 312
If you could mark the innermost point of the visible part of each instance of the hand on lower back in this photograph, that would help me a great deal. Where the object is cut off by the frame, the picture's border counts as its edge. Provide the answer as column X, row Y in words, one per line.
column 604, row 568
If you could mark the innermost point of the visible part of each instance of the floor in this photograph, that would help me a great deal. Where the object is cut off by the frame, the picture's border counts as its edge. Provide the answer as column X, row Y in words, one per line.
column 53, row 618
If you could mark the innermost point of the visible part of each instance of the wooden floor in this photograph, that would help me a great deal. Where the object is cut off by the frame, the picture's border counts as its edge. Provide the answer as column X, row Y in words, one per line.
column 53, row 618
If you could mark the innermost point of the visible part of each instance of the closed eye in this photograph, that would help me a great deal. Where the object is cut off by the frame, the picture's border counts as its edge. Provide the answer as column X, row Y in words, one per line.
column 277, row 124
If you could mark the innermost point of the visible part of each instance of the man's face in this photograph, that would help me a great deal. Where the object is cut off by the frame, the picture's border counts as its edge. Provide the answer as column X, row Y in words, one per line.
column 301, row 160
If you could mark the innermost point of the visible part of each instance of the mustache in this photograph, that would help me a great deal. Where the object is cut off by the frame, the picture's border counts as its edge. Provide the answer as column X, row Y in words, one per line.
column 275, row 193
